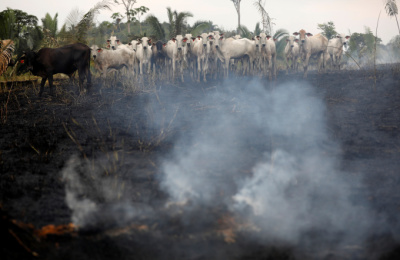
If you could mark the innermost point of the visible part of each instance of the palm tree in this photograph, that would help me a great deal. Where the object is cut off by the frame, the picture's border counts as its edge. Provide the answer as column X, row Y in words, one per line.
column 203, row 26
column 391, row 10
column 156, row 27
column 177, row 21
column 280, row 36
column 50, row 24
column 244, row 32
column 78, row 26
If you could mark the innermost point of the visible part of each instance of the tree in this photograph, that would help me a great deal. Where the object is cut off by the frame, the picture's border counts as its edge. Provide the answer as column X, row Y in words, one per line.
column 50, row 24
column 265, row 19
column 177, row 21
column 391, row 10
column 138, row 12
column 362, row 45
column 128, row 4
column 202, row 26
column 22, row 28
column 156, row 28
column 79, row 26
column 236, row 3
column 328, row 29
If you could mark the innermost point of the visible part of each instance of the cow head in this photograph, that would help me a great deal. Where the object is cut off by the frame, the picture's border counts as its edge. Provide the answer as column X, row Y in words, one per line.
column 219, row 40
column 302, row 35
column 113, row 43
column 204, row 37
column 146, row 43
column 188, row 36
column 29, row 59
column 343, row 39
column 290, row 41
column 180, row 42
column 95, row 51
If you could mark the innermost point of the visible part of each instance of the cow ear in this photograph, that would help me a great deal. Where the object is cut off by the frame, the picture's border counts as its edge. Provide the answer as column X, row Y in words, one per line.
column 173, row 39
column 268, row 37
column 108, row 40
column 296, row 33
column 287, row 40
column 198, row 37
column 296, row 40
column 117, row 41
column 309, row 34
column 221, row 34
column 275, row 39
column 347, row 37
column 99, row 50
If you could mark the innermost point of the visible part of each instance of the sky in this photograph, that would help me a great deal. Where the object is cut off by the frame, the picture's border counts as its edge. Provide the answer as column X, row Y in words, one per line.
column 349, row 16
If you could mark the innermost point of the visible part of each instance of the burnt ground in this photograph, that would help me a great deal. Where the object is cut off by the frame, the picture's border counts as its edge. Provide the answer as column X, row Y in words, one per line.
column 117, row 139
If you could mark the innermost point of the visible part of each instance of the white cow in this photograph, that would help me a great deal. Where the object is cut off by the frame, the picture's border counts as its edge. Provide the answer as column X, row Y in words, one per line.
column 229, row 48
column 312, row 46
column 176, row 50
column 113, row 43
column 143, row 54
column 268, row 53
column 292, row 52
column 107, row 60
column 201, row 50
column 335, row 49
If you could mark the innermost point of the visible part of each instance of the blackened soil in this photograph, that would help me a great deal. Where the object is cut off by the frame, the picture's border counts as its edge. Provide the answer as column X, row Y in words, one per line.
column 38, row 136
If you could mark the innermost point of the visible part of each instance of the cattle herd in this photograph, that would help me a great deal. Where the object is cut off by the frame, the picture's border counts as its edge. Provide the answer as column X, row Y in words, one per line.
column 209, row 54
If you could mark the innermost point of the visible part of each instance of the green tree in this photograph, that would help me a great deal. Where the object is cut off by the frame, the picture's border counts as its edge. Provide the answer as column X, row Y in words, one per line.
column 128, row 4
column 328, row 29
column 50, row 24
column 156, row 27
column 139, row 12
column 7, row 21
column 280, row 37
column 362, row 45
column 177, row 22
column 202, row 26
column 257, row 30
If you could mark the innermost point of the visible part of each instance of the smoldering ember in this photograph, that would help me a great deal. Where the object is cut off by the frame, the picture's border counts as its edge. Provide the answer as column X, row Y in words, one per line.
column 203, row 145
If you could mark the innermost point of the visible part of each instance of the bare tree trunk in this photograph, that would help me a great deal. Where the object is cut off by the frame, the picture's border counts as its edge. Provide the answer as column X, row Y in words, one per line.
column 397, row 23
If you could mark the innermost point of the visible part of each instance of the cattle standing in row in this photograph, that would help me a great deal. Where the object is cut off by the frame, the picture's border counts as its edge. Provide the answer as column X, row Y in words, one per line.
column 268, row 54
column 335, row 49
column 143, row 54
column 159, row 56
column 292, row 51
column 200, row 52
column 312, row 46
column 107, row 60
column 6, row 51
column 176, row 51
column 67, row 59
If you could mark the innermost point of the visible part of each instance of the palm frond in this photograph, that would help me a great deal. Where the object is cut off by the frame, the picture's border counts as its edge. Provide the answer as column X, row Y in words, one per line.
column 391, row 7
column 266, row 20
column 156, row 27
column 180, row 21
column 201, row 26
column 244, row 32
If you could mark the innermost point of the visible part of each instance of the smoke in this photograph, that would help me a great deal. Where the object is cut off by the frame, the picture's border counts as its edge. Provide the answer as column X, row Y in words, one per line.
column 293, row 185
column 262, row 155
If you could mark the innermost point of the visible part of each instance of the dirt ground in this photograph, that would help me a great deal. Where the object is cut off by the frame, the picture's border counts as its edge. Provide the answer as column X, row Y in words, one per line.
column 118, row 138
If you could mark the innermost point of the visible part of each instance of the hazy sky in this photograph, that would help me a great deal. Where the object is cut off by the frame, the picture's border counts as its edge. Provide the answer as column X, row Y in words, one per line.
column 293, row 15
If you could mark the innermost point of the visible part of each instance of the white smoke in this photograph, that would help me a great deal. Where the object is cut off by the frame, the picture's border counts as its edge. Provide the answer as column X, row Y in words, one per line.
column 294, row 185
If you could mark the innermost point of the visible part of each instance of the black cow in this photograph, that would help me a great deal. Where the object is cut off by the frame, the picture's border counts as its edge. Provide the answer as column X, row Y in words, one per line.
column 67, row 59
column 159, row 55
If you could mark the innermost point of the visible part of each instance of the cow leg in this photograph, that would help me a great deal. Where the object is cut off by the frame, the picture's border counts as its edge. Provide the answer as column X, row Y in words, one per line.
column 305, row 65
column 42, row 85
column 51, row 84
